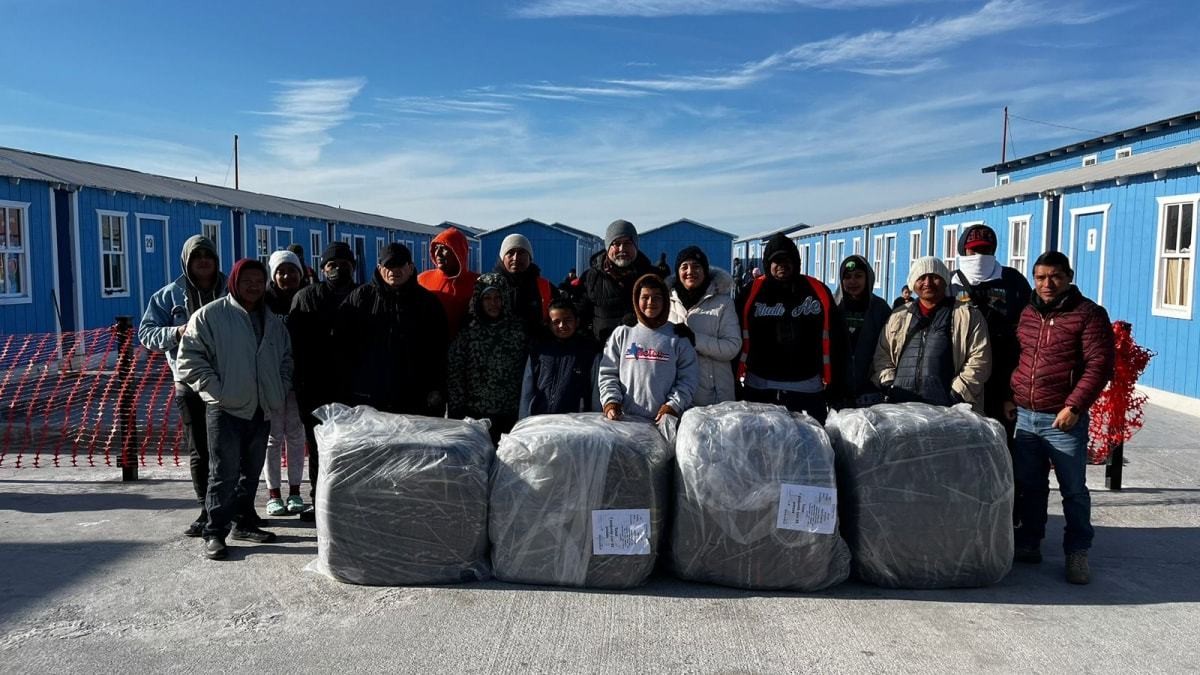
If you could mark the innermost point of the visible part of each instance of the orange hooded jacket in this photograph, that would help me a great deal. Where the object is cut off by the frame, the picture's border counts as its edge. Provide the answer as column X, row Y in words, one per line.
column 454, row 292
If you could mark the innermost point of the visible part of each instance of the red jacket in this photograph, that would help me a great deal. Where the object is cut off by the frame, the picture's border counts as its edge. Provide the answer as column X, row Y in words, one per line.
column 453, row 292
column 1066, row 355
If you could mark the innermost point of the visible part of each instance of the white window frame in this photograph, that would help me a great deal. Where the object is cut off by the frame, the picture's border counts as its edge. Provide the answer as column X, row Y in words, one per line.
column 1157, row 308
column 1018, row 256
column 818, row 261
column 857, row 246
column 1122, row 153
column 915, row 249
column 315, row 249
column 380, row 244
column 22, row 253
column 950, row 245
column 1090, row 160
column 259, row 252
column 215, row 226
column 1004, row 180
column 123, row 254
column 837, row 247
column 803, row 250
column 877, row 259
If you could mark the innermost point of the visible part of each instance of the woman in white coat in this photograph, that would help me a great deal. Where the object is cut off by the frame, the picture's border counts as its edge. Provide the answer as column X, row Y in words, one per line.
column 701, row 299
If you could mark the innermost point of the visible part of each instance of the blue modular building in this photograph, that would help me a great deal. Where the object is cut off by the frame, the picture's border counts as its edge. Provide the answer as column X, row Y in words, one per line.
column 675, row 236
column 82, row 243
column 1122, row 206
column 749, row 249
column 557, row 248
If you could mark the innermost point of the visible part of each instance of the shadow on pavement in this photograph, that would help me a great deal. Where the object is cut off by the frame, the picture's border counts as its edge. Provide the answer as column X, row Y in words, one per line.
column 104, row 500
column 34, row 571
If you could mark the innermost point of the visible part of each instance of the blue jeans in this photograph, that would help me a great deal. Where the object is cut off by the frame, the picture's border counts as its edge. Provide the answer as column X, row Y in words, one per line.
column 237, row 450
column 1038, row 445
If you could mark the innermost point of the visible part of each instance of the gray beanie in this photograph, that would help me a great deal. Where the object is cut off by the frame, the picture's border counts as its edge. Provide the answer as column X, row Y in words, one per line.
column 516, row 241
column 620, row 228
column 927, row 265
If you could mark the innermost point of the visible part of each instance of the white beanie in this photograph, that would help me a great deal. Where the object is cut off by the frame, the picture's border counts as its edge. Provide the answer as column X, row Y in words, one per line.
column 280, row 257
column 927, row 265
column 515, row 241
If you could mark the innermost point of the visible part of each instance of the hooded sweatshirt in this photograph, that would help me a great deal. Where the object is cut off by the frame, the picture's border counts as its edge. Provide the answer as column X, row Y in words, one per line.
column 311, row 321
column 172, row 305
column 487, row 358
column 648, row 364
column 454, row 292
column 865, row 319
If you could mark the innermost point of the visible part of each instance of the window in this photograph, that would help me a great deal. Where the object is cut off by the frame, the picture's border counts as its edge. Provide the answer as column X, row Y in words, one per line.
column 211, row 230
column 1175, row 267
column 1004, row 180
column 858, row 246
column 803, row 248
column 1124, row 152
column 262, row 243
column 817, row 259
column 380, row 244
column 914, row 246
column 314, row 249
column 14, row 252
column 950, row 247
column 1018, row 244
column 877, row 258
column 114, row 254
column 1090, row 160
column 836, row 249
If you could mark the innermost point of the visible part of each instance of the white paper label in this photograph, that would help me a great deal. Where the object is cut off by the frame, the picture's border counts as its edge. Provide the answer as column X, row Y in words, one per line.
column 807, row 508
column 621, row 532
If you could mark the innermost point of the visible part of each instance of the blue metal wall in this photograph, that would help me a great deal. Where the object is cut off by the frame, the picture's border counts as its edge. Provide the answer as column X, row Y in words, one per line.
column 34, row 313
column 554, row 251
column 1106, row 152
column 674, row 237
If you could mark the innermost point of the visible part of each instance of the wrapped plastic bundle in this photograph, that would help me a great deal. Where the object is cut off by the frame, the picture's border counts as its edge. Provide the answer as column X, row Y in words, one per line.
column 401, row 499
column 756, row 500
column 578, row 500
column 927, row 495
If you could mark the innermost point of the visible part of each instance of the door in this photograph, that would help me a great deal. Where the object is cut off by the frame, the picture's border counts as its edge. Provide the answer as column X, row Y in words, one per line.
column 152, row 268
column 362, row 270
column 283, row 238
column 1087, row 251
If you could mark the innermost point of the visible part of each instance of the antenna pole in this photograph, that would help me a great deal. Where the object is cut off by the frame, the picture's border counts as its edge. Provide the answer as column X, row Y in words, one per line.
column 1003, row 141
column 236, row 182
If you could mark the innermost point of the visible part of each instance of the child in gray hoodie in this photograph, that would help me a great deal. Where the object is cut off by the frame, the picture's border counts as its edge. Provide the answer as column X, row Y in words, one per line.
column 648, row 370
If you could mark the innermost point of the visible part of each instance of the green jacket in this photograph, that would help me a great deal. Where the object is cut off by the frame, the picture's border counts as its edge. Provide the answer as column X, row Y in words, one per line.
column 220, row 358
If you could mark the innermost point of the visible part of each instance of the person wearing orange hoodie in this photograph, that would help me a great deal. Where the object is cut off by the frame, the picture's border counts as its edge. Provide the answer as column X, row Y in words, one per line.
column 450, row 280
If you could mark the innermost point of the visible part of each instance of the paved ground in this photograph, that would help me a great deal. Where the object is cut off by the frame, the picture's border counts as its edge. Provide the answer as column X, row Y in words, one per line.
column 94, row 577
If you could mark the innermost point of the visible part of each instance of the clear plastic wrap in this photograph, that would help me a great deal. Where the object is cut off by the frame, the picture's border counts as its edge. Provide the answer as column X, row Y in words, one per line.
column 578, row 500
column 927, row 495
column 401, row 499
column 756, row 500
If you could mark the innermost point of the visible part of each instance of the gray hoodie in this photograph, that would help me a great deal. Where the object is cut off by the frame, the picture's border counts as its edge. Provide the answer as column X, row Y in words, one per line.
column 172, row 305
column 643, row 368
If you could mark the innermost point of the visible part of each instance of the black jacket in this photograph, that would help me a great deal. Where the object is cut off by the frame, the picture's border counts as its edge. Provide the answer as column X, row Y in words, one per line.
column 558, row 376
column 310, row 323
column 1001, row 302
column 391, row 346
column 527, row 299
column 608, row 300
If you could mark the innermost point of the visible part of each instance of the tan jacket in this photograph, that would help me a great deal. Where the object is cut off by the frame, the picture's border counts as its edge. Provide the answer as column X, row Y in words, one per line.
column 971, row 352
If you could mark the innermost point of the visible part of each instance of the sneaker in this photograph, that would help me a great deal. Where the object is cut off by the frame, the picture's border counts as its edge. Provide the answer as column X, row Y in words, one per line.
column 295, row 504
column 1077, row 568
column 254, row 534
column 196, row 529
column 1031, row 554
column 275, row 507
column 214, row 548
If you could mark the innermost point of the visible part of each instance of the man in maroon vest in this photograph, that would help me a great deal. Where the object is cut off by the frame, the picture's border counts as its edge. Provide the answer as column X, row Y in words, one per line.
column 1066, row 359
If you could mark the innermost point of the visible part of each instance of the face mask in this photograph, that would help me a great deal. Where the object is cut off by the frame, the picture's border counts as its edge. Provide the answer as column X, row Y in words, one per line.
column 979, row 268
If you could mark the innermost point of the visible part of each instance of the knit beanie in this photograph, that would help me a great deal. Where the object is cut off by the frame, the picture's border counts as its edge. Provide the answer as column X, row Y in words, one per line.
column 279, row 258
column 338, row 250
column 620, row 228
column 395, row 254
column 927, row 265
column 692, row 253
column 515, row 241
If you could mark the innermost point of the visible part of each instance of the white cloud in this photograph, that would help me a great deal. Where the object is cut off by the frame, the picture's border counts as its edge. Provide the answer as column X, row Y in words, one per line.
column 880, row 52
column 545, row 9
column 435, row 105
column 308, row 110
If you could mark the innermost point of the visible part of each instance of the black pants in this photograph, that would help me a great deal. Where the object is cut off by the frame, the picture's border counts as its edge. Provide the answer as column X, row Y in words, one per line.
column 195, row 436
column 310, row 442
column 813, row 404
column 237, row 452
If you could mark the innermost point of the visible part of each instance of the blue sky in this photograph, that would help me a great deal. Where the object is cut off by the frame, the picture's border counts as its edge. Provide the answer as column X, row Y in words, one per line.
column 743, row 114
